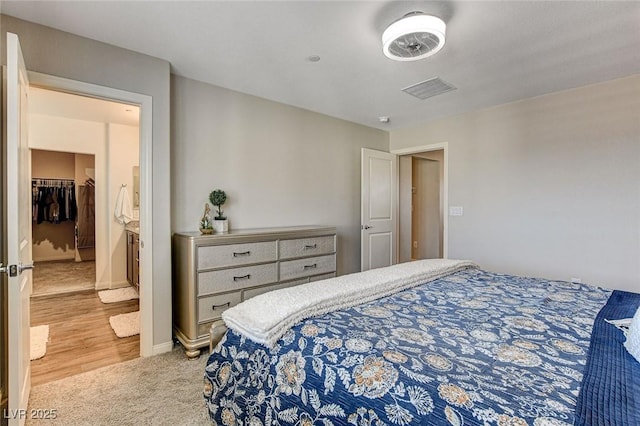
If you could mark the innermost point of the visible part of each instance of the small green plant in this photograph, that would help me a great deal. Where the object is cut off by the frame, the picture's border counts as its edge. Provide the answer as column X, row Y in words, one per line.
column 218, row 198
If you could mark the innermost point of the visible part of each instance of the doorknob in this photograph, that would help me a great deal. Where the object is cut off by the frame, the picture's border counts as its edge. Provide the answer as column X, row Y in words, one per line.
column 22, row 267
column 367, row 227
column 14, row 270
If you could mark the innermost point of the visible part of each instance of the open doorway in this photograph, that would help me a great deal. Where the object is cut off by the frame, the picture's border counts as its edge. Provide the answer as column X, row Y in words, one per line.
column 90, row 148
column 422, row 205
column 63, row 222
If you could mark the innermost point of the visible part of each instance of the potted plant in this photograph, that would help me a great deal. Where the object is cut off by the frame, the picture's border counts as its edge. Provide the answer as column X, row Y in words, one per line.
column 220, row 223
column 206, row 225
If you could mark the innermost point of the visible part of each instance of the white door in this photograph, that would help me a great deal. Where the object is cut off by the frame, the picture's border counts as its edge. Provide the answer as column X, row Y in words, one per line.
column 379, row 201
column 18, row 235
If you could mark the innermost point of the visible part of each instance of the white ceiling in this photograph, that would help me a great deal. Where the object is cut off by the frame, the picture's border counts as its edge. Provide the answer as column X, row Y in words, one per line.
column 59, row 104
column 496, row 52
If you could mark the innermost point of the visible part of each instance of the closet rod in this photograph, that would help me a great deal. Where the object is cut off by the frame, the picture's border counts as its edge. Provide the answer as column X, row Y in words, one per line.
column 51, row 182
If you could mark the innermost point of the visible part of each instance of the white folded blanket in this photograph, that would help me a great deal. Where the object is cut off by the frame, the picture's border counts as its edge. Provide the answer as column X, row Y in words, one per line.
column 267, row 317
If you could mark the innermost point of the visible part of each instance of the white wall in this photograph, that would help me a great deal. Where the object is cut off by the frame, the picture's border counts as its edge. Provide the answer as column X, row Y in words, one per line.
column 279, row 165
column 123, row 155
column 66, row 55
column 550, row 186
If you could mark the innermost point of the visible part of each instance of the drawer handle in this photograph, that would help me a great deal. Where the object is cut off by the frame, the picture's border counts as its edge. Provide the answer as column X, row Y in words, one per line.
column 244, row 277
column 315, row 265
column 244, row 253
column 224, row 305
column 310, row 246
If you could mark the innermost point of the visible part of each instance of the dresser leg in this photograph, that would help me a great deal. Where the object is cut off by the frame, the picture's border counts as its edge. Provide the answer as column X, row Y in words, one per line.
column 192, row 354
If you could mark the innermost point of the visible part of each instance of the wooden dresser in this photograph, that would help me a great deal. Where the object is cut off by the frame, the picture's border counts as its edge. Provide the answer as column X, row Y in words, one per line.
column 215, row 272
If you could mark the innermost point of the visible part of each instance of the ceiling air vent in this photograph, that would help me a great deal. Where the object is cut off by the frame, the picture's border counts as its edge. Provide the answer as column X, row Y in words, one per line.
column 428, row 88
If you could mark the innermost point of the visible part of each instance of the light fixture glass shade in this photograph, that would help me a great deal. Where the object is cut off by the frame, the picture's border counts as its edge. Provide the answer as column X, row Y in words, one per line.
column 413, row 37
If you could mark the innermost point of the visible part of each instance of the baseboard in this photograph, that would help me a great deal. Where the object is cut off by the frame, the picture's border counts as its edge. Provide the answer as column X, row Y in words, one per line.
column 103, row 286
column 162, row 348
column 120, row 284
column 113, row 285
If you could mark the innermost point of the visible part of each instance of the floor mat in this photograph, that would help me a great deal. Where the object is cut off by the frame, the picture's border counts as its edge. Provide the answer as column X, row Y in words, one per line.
column 125, row 325
column 118, row 295
column 39, row 338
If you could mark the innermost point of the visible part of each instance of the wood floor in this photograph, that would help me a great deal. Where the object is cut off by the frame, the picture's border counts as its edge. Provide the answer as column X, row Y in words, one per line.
column 80, row 337
column 64, row 276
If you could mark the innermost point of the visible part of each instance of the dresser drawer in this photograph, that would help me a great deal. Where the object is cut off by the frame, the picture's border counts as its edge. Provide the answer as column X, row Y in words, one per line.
column 292, row 269
column 253, row 292
column 236, row 278
column 322, row 277
column 307, row 247
column 211, row 307
column 235, row 254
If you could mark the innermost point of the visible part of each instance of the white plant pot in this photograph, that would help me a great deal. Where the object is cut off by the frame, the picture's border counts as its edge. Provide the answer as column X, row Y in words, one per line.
column 221, row 226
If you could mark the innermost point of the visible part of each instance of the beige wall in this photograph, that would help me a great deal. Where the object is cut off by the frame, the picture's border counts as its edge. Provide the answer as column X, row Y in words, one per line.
column 279, row 165
column 550, row 186
column 52, row 164
column 54, row 52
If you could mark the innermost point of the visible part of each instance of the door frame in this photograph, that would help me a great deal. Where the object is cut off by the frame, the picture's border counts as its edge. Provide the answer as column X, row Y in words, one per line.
column 145, row 103
column 444, row 146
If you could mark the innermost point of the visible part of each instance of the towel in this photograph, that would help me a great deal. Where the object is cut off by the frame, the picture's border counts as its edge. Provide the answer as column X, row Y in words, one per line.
column 267, row 317
column 123, row 212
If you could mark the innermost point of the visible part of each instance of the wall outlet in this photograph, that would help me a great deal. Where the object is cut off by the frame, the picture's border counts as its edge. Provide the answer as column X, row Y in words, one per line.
column 456, row 211
column 576, row 280
column 415, row 244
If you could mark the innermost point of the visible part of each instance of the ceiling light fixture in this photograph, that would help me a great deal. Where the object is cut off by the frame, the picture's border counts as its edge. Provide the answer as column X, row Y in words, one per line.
column 414, row 36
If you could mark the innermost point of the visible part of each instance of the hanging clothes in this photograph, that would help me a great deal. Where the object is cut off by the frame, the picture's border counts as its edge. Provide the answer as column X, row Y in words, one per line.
column 86, row 226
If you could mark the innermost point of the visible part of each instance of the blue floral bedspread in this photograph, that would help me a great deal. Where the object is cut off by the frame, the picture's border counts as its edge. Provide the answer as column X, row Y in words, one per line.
column 610, row 389
column 472, row 348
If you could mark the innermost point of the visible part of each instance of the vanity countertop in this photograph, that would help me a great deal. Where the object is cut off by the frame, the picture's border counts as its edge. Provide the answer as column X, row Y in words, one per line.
column 133, row 226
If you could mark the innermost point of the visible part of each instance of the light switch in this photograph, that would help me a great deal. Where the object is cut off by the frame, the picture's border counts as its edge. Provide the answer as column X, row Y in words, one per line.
column 455, row 210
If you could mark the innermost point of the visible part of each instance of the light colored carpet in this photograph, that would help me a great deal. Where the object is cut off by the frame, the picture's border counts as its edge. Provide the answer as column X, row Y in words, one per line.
column 125, row 325
column 160, row 390
column 63, row 277
column 39, row 337
column 118, row 295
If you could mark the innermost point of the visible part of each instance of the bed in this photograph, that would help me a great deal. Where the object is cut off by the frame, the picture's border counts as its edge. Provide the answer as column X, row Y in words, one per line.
column 461, row 347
